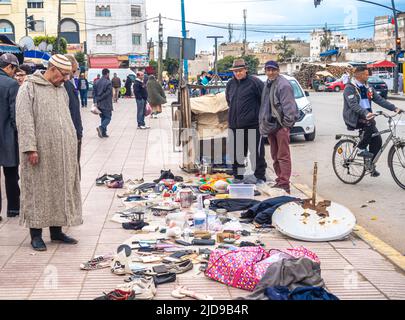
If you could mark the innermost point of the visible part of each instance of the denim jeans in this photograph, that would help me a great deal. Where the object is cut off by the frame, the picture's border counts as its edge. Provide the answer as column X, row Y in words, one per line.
column 83, row 97
column 105, row 121
column 12, row 189
column 140, row 103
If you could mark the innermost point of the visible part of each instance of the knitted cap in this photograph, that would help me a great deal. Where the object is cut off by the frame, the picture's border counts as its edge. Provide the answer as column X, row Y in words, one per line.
column 61, row 62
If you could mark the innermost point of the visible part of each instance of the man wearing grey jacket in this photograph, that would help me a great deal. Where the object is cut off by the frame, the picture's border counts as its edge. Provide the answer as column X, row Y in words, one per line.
column 357, row 113
column 103, row 98
column 278, row 114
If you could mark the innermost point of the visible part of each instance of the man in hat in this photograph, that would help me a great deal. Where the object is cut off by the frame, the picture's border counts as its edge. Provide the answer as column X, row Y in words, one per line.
column 50, row 184
column 278, row 115
column 9, row 160
column 243, row 94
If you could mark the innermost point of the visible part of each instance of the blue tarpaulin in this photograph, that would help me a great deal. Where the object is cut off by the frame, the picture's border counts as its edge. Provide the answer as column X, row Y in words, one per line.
column 37, row 54
column 329, row 53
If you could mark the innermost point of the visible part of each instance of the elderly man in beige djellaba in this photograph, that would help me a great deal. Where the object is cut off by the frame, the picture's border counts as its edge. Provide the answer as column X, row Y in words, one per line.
column 50, row 183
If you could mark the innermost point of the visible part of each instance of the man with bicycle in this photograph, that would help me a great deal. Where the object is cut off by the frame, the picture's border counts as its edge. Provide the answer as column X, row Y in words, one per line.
column 358, row 114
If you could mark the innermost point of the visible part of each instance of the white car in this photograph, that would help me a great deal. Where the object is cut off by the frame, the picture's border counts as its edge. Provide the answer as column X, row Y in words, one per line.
column 306, row 124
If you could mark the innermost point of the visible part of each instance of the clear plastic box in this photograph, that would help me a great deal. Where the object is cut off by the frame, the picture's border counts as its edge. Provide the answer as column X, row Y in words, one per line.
column 242, row 191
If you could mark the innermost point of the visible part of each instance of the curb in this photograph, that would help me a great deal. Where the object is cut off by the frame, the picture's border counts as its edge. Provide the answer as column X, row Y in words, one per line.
column 397, row 98
column 394, row 256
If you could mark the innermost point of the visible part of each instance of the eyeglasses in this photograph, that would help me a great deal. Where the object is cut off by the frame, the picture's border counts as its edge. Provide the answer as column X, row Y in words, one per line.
column 19, row 75
column 64, row 75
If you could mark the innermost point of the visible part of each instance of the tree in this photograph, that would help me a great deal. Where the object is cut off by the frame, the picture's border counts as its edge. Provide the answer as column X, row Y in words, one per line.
column 81, row 59
column 171, row 66
column 52, row 40
column 153, row 64
column 226, row 63
column 326, row 39
column 286, row 52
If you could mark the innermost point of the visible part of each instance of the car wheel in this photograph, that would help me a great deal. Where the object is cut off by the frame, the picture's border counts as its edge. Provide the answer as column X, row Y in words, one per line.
column 310, row 136
column 337, row 89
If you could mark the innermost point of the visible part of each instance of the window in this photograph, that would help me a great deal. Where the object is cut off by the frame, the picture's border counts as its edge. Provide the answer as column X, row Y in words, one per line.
column 136, row 39
column 5, row 27
column 297, row 90
column 104, row 40
column 103, row 11
column 5, row 1
column 136, row 11
column 35, row 4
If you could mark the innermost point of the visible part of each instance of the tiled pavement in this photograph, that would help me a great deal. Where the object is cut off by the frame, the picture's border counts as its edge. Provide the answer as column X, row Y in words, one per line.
column 350, row 268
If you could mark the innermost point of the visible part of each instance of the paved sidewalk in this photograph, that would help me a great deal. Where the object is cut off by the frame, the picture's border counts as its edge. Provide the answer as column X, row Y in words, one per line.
column 350, row 268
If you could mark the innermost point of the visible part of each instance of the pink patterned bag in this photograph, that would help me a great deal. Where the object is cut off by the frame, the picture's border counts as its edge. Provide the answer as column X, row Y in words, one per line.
column 244, row 268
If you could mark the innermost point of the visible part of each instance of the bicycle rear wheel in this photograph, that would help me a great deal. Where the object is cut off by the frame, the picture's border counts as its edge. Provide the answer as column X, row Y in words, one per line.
column 349, row 170
column 396, row 163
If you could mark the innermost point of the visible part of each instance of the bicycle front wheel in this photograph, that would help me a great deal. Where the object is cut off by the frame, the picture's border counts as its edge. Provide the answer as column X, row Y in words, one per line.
column 348, row 168
column 396, row 163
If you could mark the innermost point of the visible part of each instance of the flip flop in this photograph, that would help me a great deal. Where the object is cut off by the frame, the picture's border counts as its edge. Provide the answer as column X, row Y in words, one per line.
column 99, row 262
column 182, row 292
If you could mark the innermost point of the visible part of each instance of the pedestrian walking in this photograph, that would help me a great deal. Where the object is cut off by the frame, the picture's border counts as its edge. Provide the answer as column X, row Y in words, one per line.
column 243, row 94
column 141, row 96
column 128, row 87
column 278, row 114
column 50, row 184
column 103, row 100
column 156, row 96
column 9, row 158
column 21, row 75
column 74, row 105
column 83, row 89
column 116, row 85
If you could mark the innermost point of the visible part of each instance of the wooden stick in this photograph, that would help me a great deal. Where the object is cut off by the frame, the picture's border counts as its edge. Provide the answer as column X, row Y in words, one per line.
column 315, row 181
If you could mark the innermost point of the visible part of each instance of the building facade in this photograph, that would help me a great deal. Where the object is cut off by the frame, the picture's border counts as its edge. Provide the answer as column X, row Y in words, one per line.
column 337, row 40
column 45, row 12
column 384, row 32
column 116, row 27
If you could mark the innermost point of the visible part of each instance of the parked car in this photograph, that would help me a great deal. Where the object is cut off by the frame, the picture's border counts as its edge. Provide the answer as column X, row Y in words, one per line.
column 335, row 86
column 306, row 123
column 379, row 85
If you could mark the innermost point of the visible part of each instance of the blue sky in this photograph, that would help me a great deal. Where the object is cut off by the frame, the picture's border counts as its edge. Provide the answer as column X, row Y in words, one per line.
column 275, row 14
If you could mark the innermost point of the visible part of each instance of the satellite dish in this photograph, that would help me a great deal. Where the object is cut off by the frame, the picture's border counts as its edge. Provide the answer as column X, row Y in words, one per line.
column 42, row 46
column 49, row 48
column 27, row 43
column 305, row 224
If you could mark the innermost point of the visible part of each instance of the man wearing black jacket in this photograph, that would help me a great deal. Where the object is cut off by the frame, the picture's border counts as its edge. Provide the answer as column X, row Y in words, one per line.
column 74, row 105
column 103, row 99
column 243, row 94
column 141, row 96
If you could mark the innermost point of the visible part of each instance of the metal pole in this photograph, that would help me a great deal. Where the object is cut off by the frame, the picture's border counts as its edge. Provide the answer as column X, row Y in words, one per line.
column 184, row 32
column 245, row 32
column 216, row 55
column 397, row 50
column 160, row 62
column 26, row 18
column 58, row 50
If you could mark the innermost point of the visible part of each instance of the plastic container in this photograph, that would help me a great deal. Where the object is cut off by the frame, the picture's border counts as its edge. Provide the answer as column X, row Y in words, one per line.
column 199, row 219
column 242, row 191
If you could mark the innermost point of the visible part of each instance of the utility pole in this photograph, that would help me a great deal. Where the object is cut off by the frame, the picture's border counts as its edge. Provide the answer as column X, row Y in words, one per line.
column 59, row 19
column 216, row 54
column 397, row 49
column 160, row 60
column 245, row 32
column 230, row 32
column 26, row 22
column 184, row 32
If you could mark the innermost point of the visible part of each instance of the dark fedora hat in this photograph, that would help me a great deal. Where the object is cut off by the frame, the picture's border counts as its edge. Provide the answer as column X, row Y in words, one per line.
column 238, row 64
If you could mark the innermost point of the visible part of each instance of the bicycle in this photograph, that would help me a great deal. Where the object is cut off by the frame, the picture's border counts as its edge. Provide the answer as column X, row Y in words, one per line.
column 351, row 169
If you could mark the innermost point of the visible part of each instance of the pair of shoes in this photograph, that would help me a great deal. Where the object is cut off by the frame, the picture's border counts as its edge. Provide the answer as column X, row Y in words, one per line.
column 118, row 294
column 180, row 267
column 144, row 288
column 116, row 184
column 38, row 244
column 134, row 225
column 106, row 178
column 99, row 262
column 99, row 132
column 13, row 213
column 164, row 174
column 143, row 127
column 105, row 135
column 375, row 173
column 365, row 154
column 61, row 237
column 282, row 187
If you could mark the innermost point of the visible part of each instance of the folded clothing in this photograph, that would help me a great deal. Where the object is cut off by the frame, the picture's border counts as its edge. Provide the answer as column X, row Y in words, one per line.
column 262, row 213
column 232, row 205
column 134, row 225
